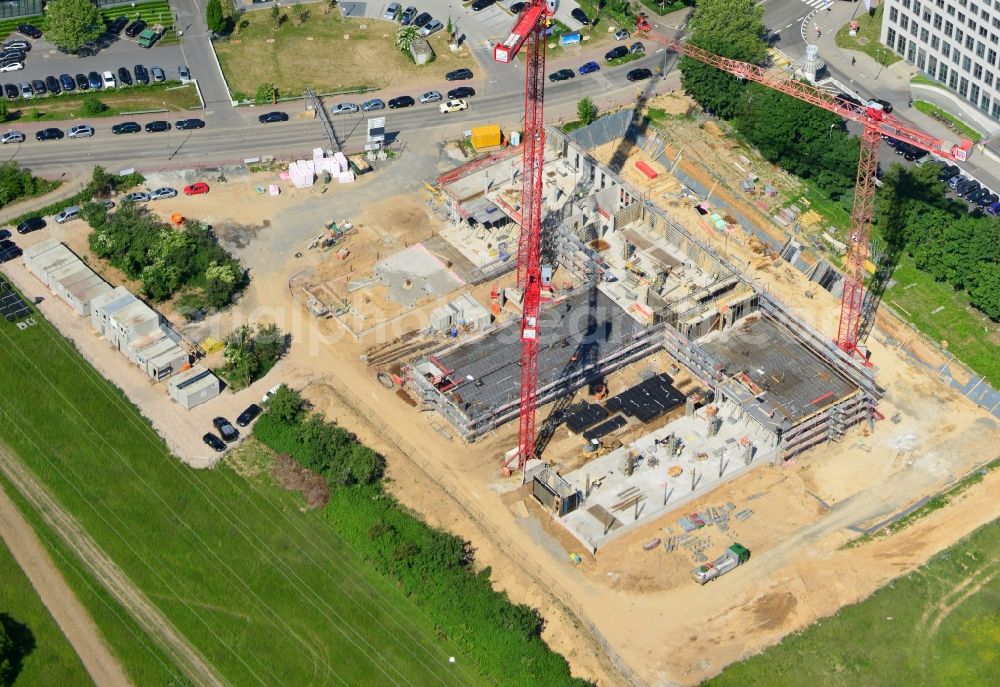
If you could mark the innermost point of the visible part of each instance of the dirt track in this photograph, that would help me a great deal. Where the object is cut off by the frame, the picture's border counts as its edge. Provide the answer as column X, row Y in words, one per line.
column 153, row 622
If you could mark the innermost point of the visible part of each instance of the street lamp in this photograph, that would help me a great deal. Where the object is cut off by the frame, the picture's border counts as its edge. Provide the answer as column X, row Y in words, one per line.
column 831, row 130
column 880, row 58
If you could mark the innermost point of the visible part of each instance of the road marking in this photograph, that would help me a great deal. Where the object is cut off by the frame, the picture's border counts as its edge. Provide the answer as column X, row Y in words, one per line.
column 791, row 25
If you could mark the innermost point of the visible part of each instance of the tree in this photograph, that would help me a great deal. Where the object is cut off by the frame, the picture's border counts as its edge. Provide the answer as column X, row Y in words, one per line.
column 92, row 105
column 241, row 363
column 405, row 37
column 586, row 111
column 276, row 16
column 3, row 110
column 266, row 93
column 985, row 294
column 214, row 17
column 71, row 23
column 7, row 658
column 301, row 14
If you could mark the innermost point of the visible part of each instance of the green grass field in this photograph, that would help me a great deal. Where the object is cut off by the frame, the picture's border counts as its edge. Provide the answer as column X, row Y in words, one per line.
column 948, row 119
column 44, row 655
column 936, row 627
column 170, row 96
column 866, row 41
column 153, row 12
column 268, row 594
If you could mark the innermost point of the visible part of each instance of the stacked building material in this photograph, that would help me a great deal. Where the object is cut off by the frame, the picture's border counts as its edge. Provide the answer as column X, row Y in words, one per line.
column 584, row 415
column 647, row 400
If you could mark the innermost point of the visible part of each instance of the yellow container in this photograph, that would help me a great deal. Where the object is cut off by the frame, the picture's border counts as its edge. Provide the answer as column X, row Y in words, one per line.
column 210, row 345
column 488, row 136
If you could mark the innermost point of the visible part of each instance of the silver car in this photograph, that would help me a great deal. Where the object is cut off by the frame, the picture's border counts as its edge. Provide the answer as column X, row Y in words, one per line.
column 432, row 27
column 158, row 74
column 391, row 11
column 12, row 137
column 80, row 131
column 138, row 197
column 430, row 97
column 373, row 105
column 161, row 193
column 345, row 108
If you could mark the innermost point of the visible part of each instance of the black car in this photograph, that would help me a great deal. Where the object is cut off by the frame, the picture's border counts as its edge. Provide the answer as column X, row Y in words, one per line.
column 38, row 86
column 141, row 74
column 421, row 19
column 580, row 16
column 615, row 53
column 886, row 105
column 12, row 55
column 988, row 199
column 461, row 92
column 458, row 75
column 401, row 101
column 31, row 224
column 517, row 7
column 95, row 81
column 9, row 250
column 50, row 134
column 948, row 172
column 974, row 196
column 562, row 75
column 966, row 187
column 914, row 153
column 226, row 429
column 183, row 124
column 135, row 28
column 4, row 234
column 117, row 25
column 214, row 442
column 271, row 117
column 52, row 83
column 848, row 99
column 126, row 128
column 67, row 83
column 29, row 31
column 639, row 74
column 81, row 82
column 482, row 4
column 248, row 415
column 124, row 77
column 157, row 126
column 10, row 90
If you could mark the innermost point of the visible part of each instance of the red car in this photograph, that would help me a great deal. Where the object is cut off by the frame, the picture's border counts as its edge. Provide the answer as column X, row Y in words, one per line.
column 196, row 189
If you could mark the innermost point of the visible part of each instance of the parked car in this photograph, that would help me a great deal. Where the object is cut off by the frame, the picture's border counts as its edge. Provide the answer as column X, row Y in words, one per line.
column 116, row 26
column 67, row 82
column 848, row 99
column 562, row 75
column 50, row 134
column 80, row 131
column 163, row 193
column 373, row 105
column 137, row 197
column 345, row 108
column 615, row 53
column 124, row 76
column 38, row 86
column 141, row 74
column 430, row 97
column 158, row 75
column 391, row 11
column 183, row 73
column 408, row 14
column 454, row 105
column 17, row 44
column 12, row 137
column 135, row 28
column 94, row 79
column 430, row 27
column 956, row 180
column 580, row 16
column 988, row 200
column 886, row 105
column 26, row 91
column 480, row 5
column 108, row 80
column 108, row 204
column 461, row 92
column 184, row 124
column 52, row 83
column 126, row 128
column 269, row 394
column 401, row 101
column 31, row 224
column 4, row 234
column 29, row 31
column 11, row 66
column 637, row 48
column 157, row 126
column 622, row 35
column 947, row 173
column 589, row 68
column 973, row 196
column 639, row 74
column 214, row 442
column 82, row 82
column 993, row 209
column 226, row 429
column 966, row 188
column 421, row 19
column 915, row 154
column 67, row 214
column 517, row 7
column 9, row 251
column 196, row 189
column 248, row 415
column 12, row 55
column 458, row 75
column 10, row 90
column 272, row 117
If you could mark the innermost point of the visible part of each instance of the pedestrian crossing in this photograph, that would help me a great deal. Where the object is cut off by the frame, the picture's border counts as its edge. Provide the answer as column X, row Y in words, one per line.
column 817, row 4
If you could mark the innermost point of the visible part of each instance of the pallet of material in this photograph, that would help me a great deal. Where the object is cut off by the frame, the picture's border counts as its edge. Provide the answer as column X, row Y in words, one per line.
column 605, row 428
column 584, row 415
column 652, row 544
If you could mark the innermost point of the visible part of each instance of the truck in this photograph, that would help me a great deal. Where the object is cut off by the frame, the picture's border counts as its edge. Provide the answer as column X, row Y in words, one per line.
column 734, row 556
column 150, row 36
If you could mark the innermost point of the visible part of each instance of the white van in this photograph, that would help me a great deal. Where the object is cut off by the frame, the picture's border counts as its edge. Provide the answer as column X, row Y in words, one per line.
column 70, row 213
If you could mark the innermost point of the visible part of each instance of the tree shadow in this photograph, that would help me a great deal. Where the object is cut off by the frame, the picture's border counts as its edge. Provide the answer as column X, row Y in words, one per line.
column 22, row 643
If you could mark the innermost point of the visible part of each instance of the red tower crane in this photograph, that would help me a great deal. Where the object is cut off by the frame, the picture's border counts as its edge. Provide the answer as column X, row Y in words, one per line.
column 530, row 29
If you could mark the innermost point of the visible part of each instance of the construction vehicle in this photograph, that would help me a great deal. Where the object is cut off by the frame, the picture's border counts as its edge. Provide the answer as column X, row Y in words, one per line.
column 735, row 556
column 150, row 36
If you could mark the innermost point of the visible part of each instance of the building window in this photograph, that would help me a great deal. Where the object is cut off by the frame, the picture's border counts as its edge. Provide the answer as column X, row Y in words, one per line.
column 934, row 42
column 911, row 52
column 927, row 16
column 974, row 94
column 906, row 4
column 953, row 79
column 931, row 65
column 921, row 58
column 948, row 26
column 943, row 73
column 963, row 87
column 977, row 71
column 945, row 48
column 890, row 38
column 901, row 46
column 996, row 110
column 980, row 49
column 956, row 57
column 893, row 15
column 991, row 56
column 985, row 102
column 950, row 9
column 969, row 42
column 988, row 78
column 916, row 6
column 959, row 35
column 966, row 63
column 972, row 25
column 904, row 22
column 913, row 28
column 923, row 35
column 937, row 20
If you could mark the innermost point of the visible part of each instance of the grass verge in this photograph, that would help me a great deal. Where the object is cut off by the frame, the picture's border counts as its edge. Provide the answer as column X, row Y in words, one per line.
column 619, row 61
column 572, row 126
column 869, row 30
column 269, row 594
column 152, row 12
column 936, row 626
column 170, row 95
column 17, row 184
column 948, row 119
column 41, row 653
column 927, row 81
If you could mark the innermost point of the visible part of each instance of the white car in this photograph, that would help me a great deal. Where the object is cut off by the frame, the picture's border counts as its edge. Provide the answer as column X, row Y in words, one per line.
column 161, row 193
column 454, row 106
column 391, row 11
column 430, row 97
column 345, row 108
column 270, row 394
column 431, row 27
column 11, row 66
column 108, row 80
column 12, row 137
column 80, row 131
column 138, row 197
column 70, row 213
column 622, row 35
